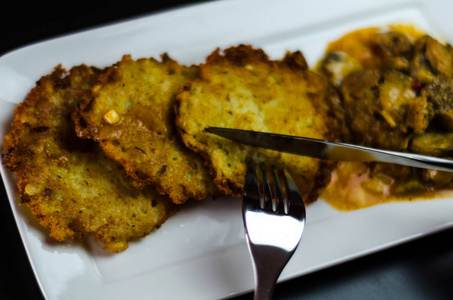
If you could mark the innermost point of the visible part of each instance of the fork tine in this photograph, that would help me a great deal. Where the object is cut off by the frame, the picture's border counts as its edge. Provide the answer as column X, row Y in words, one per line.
column 295, row 202
column 251, row 192
column 266, row 199
column 279, row 205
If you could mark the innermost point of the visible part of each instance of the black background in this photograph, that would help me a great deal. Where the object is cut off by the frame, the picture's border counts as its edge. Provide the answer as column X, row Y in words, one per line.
column 421, row 269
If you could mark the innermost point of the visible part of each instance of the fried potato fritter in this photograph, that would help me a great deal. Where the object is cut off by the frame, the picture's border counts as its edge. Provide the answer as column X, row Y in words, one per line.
column 242, row 88
column 131, row 116
column 68, row 183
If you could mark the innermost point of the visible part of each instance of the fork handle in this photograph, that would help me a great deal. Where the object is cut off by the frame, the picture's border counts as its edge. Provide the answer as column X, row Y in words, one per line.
column 267, row 270
column 264, row 288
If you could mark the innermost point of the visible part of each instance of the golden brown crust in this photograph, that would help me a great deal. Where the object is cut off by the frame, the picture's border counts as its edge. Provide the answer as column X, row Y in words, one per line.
column 143, row 139
column 241, row 87
column 69, row 184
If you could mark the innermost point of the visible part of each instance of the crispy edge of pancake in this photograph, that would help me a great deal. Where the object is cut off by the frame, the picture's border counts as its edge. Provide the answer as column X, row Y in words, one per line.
column 42, row 145
column 245, row 57
column 159, row 158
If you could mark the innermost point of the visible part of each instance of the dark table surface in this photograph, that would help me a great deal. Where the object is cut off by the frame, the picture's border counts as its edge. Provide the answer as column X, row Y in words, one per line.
column 421, row 269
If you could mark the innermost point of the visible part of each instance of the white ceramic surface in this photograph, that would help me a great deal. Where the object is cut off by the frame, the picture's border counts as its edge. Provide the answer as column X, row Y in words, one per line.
column 201, row 253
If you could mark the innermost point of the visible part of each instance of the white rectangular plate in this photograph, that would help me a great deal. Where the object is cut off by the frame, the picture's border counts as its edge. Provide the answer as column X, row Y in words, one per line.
column 200, row 253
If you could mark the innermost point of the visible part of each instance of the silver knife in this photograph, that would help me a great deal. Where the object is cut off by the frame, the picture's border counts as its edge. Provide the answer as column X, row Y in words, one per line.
column 328, row 150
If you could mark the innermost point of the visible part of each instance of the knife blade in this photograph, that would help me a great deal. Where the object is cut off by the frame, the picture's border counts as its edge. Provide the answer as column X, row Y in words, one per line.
column 329, row 150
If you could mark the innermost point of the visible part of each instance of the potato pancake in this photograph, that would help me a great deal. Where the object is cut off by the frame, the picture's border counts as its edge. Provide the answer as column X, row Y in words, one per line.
column 242, row 88
column 397, row 94
column 68, row 183
column 131, row 115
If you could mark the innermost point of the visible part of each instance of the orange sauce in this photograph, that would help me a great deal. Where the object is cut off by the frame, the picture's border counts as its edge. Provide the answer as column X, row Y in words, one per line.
column 350, row 181
column 348, row 189
column 359, row 43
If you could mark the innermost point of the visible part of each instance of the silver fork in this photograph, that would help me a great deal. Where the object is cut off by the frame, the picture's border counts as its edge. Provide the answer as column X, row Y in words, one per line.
column 274, row 221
